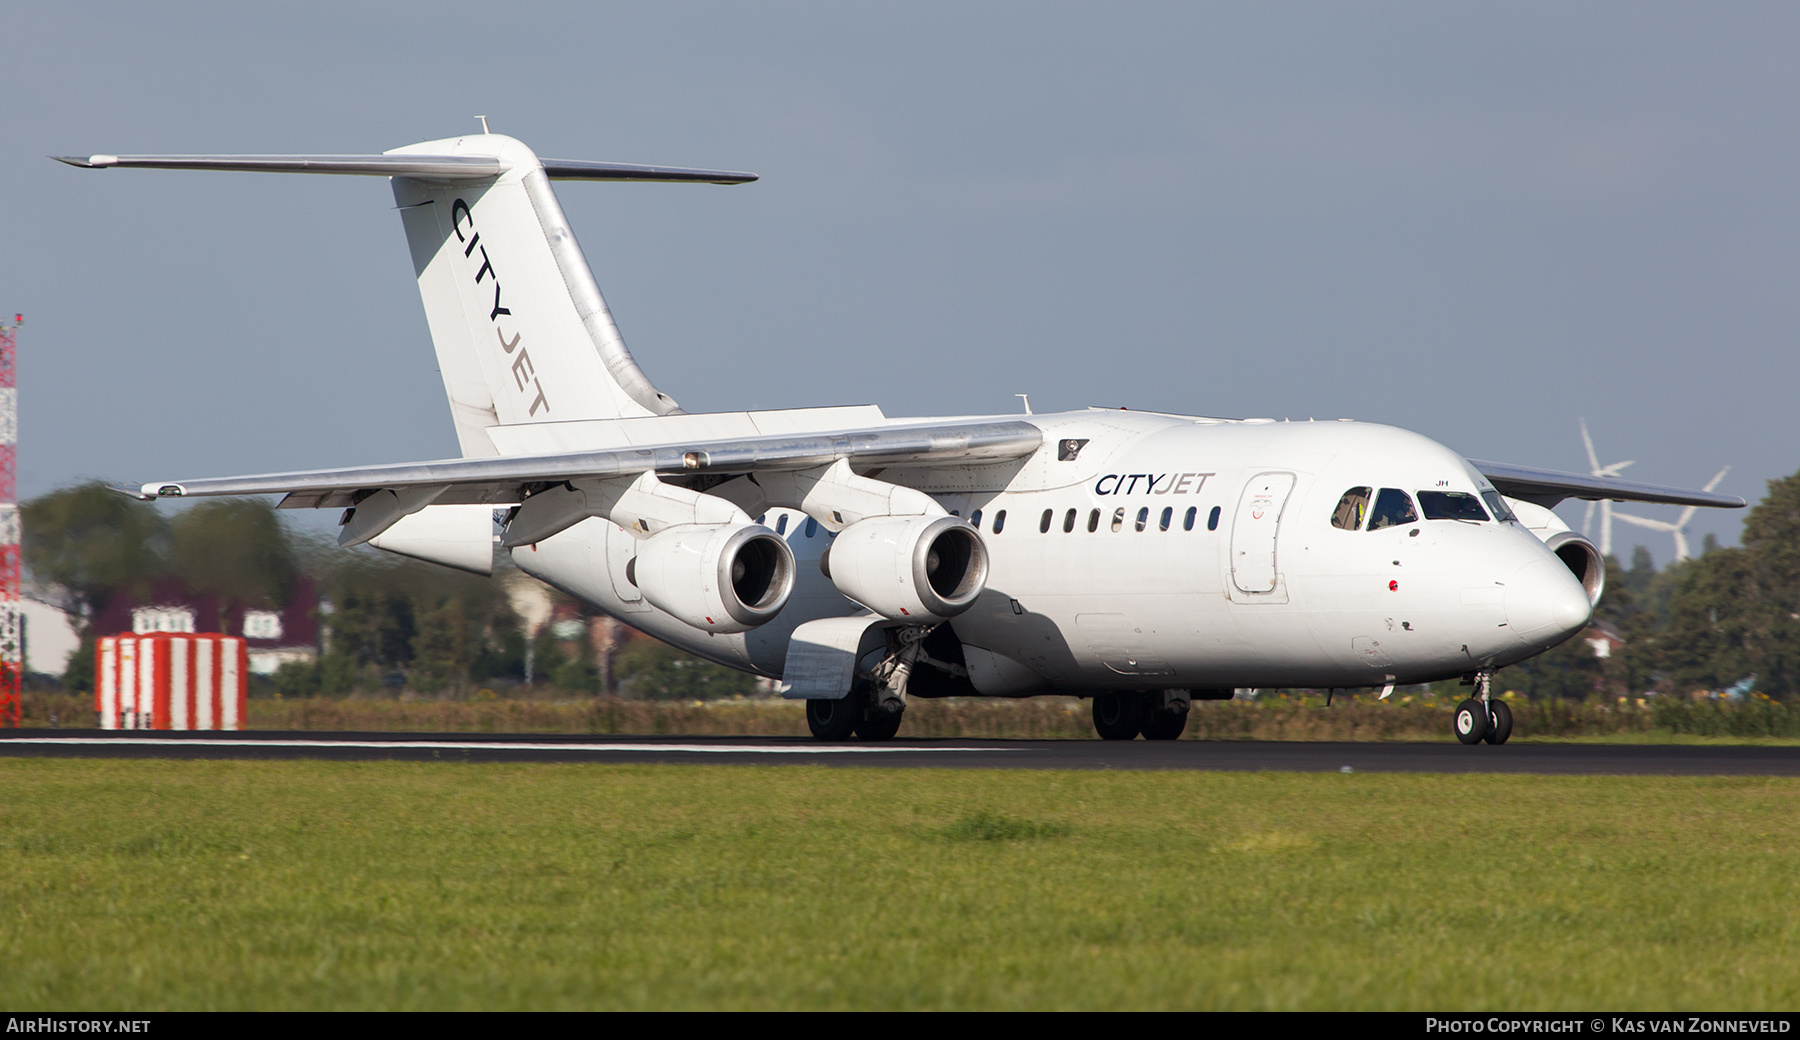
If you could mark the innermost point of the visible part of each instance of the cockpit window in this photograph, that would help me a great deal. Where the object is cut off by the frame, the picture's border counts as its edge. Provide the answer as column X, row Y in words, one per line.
column 1451, row 505
column 1497, row 506
column 1348, row 516
column 1392, row 508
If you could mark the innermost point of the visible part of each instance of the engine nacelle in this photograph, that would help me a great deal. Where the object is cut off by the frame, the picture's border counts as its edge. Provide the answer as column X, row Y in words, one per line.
column 1578, row 554
column 909, row 568
column 1583, row 559
column 715, row 577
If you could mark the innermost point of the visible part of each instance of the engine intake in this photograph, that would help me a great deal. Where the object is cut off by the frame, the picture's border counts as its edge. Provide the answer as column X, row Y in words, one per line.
column 909, row 568
column 716, row 577
column 1583, row 560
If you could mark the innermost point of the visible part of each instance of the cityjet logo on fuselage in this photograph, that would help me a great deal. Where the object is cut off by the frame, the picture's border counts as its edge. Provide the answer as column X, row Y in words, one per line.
column 524, row 375
column 1150, row 483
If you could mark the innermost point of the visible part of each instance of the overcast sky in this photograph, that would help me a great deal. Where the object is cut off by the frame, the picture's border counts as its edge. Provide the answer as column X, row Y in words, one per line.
column 1478, row 221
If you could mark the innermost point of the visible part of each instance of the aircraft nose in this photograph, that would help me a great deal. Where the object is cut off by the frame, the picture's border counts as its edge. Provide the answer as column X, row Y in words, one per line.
column 1545, row 603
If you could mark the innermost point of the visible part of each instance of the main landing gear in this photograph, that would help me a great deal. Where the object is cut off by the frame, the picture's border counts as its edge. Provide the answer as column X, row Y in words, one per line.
column 876, row 702
column 857, row 714
column 1483, row 717
column 1157, row 714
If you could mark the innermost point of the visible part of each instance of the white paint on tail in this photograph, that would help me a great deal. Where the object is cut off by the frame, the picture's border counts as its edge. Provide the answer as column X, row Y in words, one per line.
column 521, row 330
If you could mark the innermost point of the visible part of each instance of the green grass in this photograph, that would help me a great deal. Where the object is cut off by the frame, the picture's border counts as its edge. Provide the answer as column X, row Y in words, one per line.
column 149, row 885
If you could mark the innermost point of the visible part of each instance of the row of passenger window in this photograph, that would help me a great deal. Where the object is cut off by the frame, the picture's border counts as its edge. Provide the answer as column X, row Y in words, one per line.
column 1142, row 523
column 1394, row 507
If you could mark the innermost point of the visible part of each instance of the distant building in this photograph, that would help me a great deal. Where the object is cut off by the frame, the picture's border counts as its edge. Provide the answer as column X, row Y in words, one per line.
column 146, row 620
column 1604, row 639
column 50, row 636
column 275, row 637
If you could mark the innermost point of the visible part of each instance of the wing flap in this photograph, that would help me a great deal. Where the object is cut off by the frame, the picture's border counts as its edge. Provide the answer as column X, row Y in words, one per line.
column 1547, row 487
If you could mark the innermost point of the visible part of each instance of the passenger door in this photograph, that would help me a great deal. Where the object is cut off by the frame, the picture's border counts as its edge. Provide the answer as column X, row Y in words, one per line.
column 1253, row 536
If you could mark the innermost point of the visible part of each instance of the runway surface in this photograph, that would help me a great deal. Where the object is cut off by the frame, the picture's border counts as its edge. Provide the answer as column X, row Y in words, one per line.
column 1239, row 756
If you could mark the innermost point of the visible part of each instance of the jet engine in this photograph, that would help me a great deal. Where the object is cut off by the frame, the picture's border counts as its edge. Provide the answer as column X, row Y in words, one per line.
column 715, row 577
column 909, row 568
column 1581, row 556
column 1583, row 560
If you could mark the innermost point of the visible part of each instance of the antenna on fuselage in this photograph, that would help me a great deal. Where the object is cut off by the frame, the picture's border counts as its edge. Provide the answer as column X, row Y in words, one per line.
column 484, row 126
column 1027, row 399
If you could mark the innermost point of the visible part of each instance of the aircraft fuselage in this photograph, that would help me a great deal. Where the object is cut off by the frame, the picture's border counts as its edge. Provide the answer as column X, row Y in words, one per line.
column 1138, row 550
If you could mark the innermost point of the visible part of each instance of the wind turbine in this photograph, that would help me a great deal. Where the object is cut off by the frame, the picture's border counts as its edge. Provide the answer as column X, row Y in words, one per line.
column 1606, row 506
column 1679, row 527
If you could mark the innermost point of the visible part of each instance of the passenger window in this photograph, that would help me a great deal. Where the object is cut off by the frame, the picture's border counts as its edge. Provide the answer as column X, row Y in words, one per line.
column 1044, row 522
column 1212, row 519
column 1451, row 505
column 1187, row 522
column 1497, row 506
column 812, row 527
column 781, row 524
column 999, row 521
column 1068, row 521
column 1093, row 520
column 1392, row 508
column 762, row 519
column 1118, row 519
column 1143, row 518
column 1348, row 516
column 975, row 519
column 1167, row 515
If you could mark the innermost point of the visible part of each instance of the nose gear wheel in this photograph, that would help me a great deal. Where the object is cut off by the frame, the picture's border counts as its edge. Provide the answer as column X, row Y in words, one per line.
column 1482, row 717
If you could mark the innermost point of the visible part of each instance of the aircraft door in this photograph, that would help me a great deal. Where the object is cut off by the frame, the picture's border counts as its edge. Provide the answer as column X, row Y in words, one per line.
column 1254, row 530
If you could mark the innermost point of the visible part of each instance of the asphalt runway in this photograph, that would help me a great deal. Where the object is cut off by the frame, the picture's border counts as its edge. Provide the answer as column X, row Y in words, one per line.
column 1236, row 756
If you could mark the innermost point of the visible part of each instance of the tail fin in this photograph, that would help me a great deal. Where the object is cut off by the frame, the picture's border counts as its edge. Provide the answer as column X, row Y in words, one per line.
column 521, row 330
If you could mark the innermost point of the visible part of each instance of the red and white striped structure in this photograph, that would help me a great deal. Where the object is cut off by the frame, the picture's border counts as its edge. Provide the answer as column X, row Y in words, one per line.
column 12, row 636
column 171, row 680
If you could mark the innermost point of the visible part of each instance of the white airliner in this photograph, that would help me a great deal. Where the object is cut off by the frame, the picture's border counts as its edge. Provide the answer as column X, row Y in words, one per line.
column 1144, row 560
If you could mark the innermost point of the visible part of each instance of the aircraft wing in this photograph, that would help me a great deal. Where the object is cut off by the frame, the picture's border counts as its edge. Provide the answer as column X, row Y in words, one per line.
column 504, row 480
column 1547, row 487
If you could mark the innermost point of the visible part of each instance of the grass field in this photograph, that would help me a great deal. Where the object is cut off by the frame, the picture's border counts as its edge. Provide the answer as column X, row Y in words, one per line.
column 149, row 885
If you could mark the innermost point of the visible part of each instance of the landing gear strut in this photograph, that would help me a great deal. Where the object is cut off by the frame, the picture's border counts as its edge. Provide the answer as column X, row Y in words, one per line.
column 1483, row 717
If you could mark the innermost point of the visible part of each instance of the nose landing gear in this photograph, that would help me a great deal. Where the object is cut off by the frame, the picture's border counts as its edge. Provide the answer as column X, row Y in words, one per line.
column 1482, row 717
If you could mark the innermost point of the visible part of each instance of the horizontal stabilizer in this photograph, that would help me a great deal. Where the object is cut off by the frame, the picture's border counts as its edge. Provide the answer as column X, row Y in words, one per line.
column 1547, row 487
column 582, row 170
column 429, row 167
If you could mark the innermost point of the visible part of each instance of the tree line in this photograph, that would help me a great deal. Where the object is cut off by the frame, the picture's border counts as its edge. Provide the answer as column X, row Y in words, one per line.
column 386, row 623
